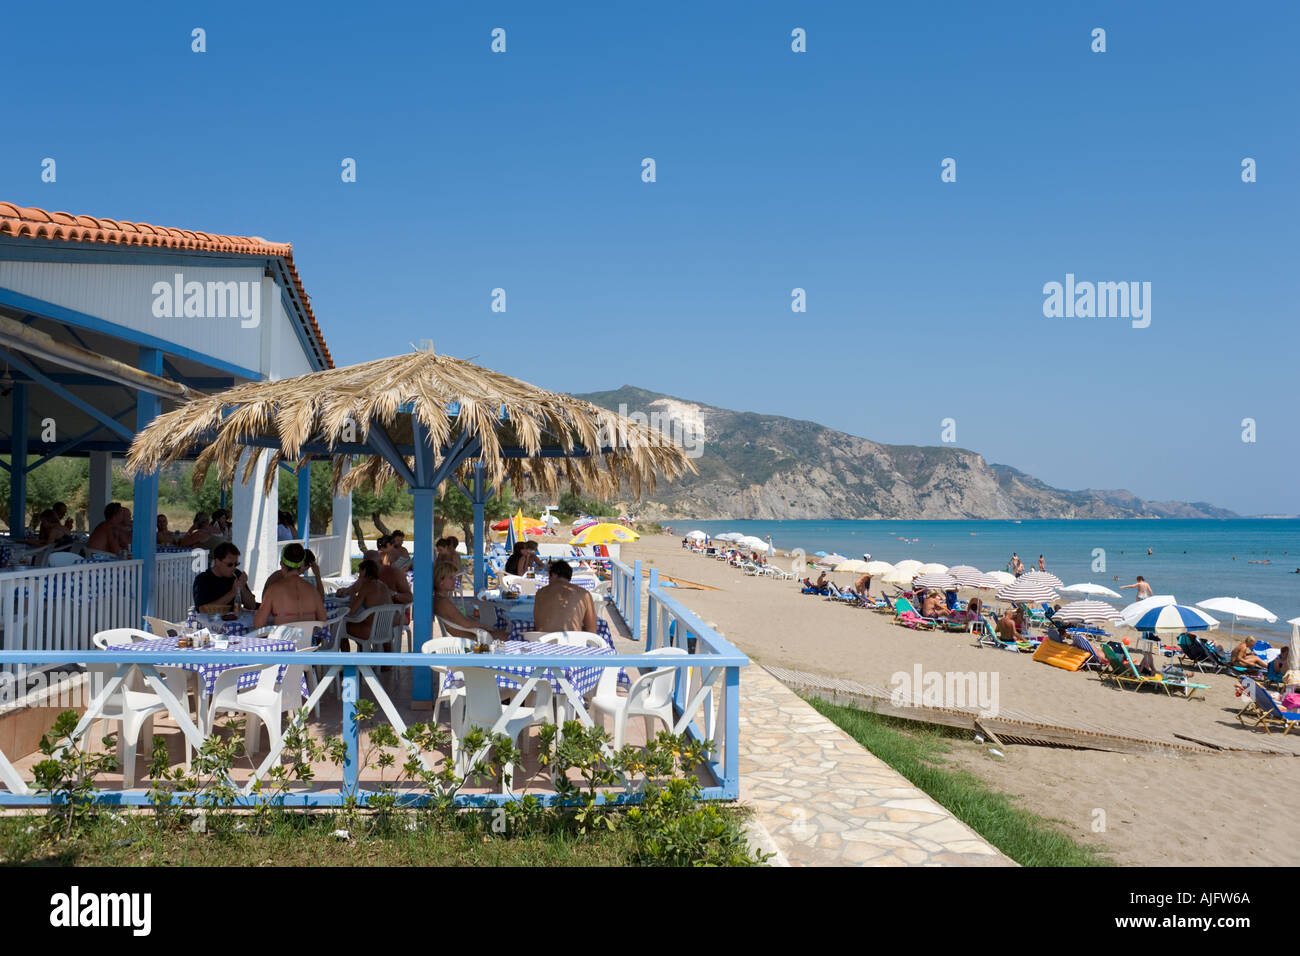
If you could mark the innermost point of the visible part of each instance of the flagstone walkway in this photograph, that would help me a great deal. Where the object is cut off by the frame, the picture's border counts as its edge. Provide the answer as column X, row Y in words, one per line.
column 825, row 800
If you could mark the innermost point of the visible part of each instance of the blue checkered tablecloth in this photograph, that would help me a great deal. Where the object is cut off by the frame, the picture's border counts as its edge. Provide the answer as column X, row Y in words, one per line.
column 172, row 656
column 518, row 629
column 582, row 679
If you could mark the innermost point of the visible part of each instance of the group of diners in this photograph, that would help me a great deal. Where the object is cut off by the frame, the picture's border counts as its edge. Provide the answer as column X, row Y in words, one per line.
column 559, row 606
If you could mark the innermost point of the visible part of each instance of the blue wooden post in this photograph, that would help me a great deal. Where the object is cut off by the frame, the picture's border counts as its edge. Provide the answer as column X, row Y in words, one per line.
column 635, row 584
column 144, row 529
column 731, row 755
column 222, row 499
column 479, row 499
column 18, row 464
column 422, row 610
column 651, row 617
column 351, row 732
column 304, row 501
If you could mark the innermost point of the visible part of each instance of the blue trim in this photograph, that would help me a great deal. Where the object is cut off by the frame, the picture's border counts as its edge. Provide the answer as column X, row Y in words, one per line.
column 304, row 501
column 67, row 446
column 144, row 536
column 57, row 313
column 381, row 442
column 18, row 454
column 114, row 426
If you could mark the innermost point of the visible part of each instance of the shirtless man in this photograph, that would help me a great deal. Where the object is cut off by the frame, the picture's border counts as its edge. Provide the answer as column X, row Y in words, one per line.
column 104, row 537
column 122, row 530
column 388, row 573
column 1007, row 627
column 562, row 605
column 1243, row 655
column 863, row 585
column 934, row 606
column 289, row 598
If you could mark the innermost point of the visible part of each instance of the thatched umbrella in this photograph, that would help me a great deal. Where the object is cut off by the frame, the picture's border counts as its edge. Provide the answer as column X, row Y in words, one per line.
column 423, row 418
column 531, row 436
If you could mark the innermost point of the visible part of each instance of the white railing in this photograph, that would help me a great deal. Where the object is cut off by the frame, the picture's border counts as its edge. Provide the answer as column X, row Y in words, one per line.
column 58, row 609
column 328, row 551
column 174, row 574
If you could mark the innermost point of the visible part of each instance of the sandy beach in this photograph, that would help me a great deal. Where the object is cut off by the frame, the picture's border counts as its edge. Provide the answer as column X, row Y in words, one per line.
column 1175, row 810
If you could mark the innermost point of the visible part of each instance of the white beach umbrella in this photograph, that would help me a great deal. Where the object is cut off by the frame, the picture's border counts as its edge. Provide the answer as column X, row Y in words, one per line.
column 696, row 535
column 1026, row 591
column 1042, row 577
column 752, row 543
column 1238, row 608
column 831, row 560
column 877, row 568
column 910, row 566
column 1088, row 612
column 943, row 582
column 1138, row 608
column 854, row 566
column 900, row 577
column 934, row 569
column 1292, row 676
column 1090, row 589
column 1004, row 577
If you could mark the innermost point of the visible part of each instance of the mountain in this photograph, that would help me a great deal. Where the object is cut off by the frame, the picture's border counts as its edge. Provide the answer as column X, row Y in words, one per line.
column 767, row 466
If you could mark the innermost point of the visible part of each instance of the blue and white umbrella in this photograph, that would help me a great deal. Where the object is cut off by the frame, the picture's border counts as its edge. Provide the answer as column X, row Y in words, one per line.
column 1174, row 619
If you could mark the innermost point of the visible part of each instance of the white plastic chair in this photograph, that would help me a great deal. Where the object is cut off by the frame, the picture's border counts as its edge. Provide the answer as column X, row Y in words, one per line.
column 481, row 635
column 651, row 696
column 445, row 645
column 265, row 703
column 482, row 707
column 133, row 709
column 570, row 638
column 64, row 559
column 382, row 632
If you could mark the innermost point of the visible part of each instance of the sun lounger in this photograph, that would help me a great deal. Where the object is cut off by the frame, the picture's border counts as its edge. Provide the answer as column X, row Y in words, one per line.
column 991, row 638
column 1124, row 671
column 1080, row 639
column 1267, row 713
column 907, row 615
column 1222, row 662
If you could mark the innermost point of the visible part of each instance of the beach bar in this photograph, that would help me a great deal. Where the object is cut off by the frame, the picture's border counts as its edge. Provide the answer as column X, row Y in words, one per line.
column 169, row 345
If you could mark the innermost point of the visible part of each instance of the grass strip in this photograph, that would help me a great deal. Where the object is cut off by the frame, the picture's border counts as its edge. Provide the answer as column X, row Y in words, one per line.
column 916, row 751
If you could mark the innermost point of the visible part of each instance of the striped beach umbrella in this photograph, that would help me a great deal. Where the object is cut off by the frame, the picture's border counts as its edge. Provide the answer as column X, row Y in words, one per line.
column 1042, row 577
column 1174, row 619
column 1088, row 612
column 943, row 582
column 984, row 582
column 1027, row 592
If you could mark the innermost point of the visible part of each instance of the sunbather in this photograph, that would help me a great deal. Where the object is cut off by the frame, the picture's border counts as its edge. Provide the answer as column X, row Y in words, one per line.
column 1243, row 655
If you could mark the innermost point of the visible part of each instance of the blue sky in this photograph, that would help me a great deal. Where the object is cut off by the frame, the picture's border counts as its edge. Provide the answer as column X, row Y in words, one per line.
column 775, row 170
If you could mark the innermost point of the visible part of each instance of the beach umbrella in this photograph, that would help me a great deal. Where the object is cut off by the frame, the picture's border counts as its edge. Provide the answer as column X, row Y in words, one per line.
column 510, row 536
column 854, row 565
column 933, row 569
column 1292, row 676
column 819, row 554
column 549, row 519
column 910, row 566
column 604, row 533
column 1088, row 612
column 1138, row 608
column 944, row 582
column 957, row 570
column 584, row 523
column 1042, row 577
column 1090, row 589
column 877, row 568
column 1027, row 592
column 696, row 535
column 831, row 560
column 500, row 525
column 902, row 577
column 985, row 582
column 1238, row 608
column 1174, row 619
column 1002, row 577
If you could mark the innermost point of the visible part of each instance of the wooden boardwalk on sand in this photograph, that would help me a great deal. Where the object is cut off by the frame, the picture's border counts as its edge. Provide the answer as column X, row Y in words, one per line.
column 1008, row 726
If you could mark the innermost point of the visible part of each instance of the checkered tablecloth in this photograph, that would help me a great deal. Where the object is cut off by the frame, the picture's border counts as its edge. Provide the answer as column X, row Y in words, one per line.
column 172, row 656
column 518, row 628
column 582, row 679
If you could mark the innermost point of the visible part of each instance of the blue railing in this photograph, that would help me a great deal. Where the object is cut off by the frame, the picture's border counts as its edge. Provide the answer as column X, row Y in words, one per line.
column 625, row 588
column 698, row 673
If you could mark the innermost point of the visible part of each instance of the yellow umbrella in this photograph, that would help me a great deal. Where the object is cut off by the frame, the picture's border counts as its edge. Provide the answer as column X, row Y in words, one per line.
column 604, row 533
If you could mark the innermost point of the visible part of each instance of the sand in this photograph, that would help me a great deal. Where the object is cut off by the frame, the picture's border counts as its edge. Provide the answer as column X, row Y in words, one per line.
column 1200, row 809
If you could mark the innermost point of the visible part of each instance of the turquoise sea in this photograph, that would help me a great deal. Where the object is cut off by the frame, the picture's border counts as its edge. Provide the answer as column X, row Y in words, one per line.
column 1191, row 559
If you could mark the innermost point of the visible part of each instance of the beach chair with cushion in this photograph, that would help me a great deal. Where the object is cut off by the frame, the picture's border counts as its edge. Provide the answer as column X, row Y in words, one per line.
column 991, row 638
column 1267, row 713
column 1222, row 662
column 907, row 616
column 1124, row 671
column 1080, row 639
column 1192, row 654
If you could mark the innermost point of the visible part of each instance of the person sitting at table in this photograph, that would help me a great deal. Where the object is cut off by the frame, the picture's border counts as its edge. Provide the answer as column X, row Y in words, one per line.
column 289, row 598
column 165, row 538
column 223, row 585
column 456, row 624
column 308, row 564
column 104, row 537
column 402, row 559
column 388, row 573
column 1243, row 655
column 284, row 530
column 122, row 530
column 562, row 605
column 368, row 591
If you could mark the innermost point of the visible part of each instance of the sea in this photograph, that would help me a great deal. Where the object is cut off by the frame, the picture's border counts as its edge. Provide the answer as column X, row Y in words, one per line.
column 1257, row 559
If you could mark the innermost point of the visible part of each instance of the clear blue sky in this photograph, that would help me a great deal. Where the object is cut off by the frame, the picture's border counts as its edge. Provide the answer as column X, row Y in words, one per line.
column 775, row 170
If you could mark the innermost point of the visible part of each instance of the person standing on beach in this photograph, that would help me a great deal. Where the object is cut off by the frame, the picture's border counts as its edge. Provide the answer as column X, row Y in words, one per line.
column 1143, row 589
column 1017, row 566
column 1042, row 565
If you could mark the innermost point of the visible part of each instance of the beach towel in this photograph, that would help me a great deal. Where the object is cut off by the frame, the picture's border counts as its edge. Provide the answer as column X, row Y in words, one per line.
column 1291, row 701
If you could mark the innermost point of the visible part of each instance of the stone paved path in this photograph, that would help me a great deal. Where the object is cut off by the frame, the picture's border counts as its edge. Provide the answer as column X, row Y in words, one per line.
column 827, row 801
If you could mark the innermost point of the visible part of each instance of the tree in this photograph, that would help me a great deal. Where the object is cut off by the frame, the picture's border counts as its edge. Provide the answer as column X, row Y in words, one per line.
column 454, row 506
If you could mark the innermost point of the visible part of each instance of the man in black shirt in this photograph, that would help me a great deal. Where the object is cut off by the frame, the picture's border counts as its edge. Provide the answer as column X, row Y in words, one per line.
column 223, row 585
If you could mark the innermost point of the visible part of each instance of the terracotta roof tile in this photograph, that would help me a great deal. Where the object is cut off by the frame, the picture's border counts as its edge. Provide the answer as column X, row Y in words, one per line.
column 32, row 223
